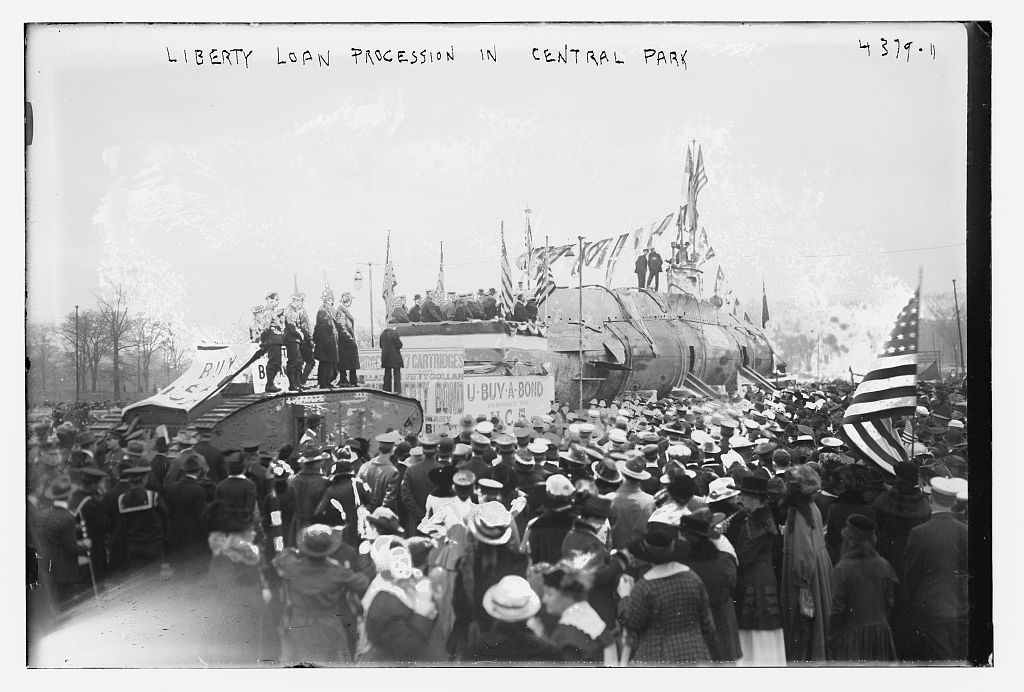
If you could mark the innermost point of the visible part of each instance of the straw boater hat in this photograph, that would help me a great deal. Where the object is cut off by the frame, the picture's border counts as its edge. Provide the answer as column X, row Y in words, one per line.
column 385, row 520
column 831, row 442
column 492, row 524
column 722, row 489
column 511, row 600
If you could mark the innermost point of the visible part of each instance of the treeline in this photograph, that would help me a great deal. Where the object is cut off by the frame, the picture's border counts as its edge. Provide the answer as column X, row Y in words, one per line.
column 116, row 349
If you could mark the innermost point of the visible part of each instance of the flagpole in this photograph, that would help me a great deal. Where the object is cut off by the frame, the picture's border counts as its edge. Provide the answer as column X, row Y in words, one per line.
column 580, row 321
column 547, row 272
column 529, row 247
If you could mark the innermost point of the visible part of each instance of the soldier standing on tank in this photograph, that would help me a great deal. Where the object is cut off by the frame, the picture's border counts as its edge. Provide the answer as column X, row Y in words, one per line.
column 296, row 334
column 272, row 338
column 348, row 349
column 325, row 340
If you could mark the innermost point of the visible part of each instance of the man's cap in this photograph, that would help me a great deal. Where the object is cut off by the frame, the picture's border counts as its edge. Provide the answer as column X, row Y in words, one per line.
column 537, row 447
column 464, row 478
column 390, row 437
column 250, row 445
column 617, row 435
column 428, row 441
column 462, row 450
column 505, row 440
column 558, row 485
column 477, row 438
column 484, row 428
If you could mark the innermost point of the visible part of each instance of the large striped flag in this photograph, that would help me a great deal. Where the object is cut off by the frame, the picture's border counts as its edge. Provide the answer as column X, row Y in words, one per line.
column 888, row 391
column 440, row 274
column 389, row 281
column 529, row 249
column 699, row 176
column 545, row 284
column 506, row 280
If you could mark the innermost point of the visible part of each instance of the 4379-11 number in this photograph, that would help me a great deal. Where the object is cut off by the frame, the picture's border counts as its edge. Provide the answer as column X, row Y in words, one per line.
column 894, row 47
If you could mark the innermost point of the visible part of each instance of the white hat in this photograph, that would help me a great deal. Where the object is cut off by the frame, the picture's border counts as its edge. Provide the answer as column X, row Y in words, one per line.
column 956, row 423
column 739, row 442
column 586, row 428
column 732, row 457
column 594, row 413
column 511, row 600
column 574, row 428
column 949, row 487
column 537, row 447
column 721, row 489
column 960, row 484
column 485, row 427
column 558, row 486
column 922, row 411
column 750, row 423
column 678, row 452
column 617, row 435
column 831, row 442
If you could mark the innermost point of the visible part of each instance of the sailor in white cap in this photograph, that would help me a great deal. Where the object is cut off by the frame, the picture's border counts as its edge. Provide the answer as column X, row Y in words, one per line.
column 935, row 574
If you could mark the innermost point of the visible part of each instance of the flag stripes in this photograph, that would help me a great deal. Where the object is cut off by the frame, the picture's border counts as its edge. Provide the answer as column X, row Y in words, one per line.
column 506, row 281
column 888, row 390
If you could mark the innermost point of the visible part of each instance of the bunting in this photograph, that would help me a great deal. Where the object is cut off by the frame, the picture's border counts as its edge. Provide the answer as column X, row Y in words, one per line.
column 719, row 282
column 660, row 228
column 613, row 257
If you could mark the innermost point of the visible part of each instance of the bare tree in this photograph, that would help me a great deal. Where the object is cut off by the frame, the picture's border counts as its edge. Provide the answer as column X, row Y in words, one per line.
column 146, row 336
column 938, row 325
column 41, row 351
column 92, row 344
column 117, row 325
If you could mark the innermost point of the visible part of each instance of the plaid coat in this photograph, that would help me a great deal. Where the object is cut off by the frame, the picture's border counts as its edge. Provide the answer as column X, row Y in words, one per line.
column 671, row 617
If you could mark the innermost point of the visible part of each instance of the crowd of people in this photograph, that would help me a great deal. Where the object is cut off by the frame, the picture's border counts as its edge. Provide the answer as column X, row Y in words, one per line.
column 681, row 530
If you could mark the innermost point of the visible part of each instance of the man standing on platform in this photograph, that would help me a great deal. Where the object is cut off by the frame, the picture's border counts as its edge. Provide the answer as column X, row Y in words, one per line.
column 325, row 341
column 391, row 359
column 641, row 270
column 654, row 263
column 348, row 348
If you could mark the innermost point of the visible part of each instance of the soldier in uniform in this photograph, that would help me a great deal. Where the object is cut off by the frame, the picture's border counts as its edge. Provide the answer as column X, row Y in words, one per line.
column 381, row 475
column 94, row 522
column 296, row 336
column 348, row 349
column 256, row 328
column 325, row 341
column 429, row 310
column 57, row 543
column 272, row 338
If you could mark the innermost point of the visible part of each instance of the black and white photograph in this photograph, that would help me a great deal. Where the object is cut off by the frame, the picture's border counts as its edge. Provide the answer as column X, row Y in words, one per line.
column 516, row 343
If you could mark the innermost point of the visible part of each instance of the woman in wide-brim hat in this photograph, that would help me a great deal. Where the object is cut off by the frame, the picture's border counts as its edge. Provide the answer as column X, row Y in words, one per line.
column 717, row 569
column 758, row 615
column 317, row 590
column 517, row 634
column 863, row 588
column 668, row 609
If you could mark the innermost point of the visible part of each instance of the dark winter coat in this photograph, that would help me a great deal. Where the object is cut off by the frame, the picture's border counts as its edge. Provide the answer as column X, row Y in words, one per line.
column 240, row 492
column 513, row 641
column 897, row 511
column 391, row 349
column 546, row 533
column 348, row 349
column 489, row 306
column 186, row 501
column 305, row 490
column 429, row 312
column 862, row 598
column 325, row 336
column 718, row 572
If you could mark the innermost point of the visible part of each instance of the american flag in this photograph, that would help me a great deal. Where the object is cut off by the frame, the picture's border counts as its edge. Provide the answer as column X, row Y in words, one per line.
column 545, row 285
column 506, row 280
column 700, row 178
column 888, row 391
column 440, row 274
column 389, row 280
column 909, row 438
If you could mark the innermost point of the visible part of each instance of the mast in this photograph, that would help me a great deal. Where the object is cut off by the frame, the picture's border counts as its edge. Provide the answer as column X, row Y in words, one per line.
column 579, row 320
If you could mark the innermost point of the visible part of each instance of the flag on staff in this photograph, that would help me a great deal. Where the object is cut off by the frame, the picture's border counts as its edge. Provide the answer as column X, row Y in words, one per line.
column 700, row 177
column 909, row 438
column 764, row 305
column 703, row 252
column 440, row 274
column 888, row 391
column 506, row 279
column 389, row 280
column 529, row 248
column 719, row 282
column 545, row 285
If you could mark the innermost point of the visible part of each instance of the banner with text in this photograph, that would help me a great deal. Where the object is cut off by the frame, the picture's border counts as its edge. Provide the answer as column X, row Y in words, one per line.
column 258, row 373
column 509, row 398
column 431, row 375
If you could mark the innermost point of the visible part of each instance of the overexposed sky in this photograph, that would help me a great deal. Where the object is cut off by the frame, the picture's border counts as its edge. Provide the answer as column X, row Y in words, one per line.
column 827, row 167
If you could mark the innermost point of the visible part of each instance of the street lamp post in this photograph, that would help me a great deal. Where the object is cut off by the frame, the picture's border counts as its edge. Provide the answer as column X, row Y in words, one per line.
column 357, row 281
column 78, row 360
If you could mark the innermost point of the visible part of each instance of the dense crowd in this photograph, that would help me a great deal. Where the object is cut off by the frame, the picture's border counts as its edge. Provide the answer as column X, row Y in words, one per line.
column 683, row 530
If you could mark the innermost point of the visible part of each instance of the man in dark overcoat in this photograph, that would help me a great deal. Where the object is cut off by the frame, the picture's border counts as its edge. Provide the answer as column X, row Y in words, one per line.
column 414, row 311
column 654, row 263
column 935, row 573
column 348, row 349
column 186, row 502
column 391, row 359
column 325, row 341
column 272, row 339
column 429, row 309
column 296, row 326
column 236, row 489
column 489, row 304
column 641, row 270
column 305, row 490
